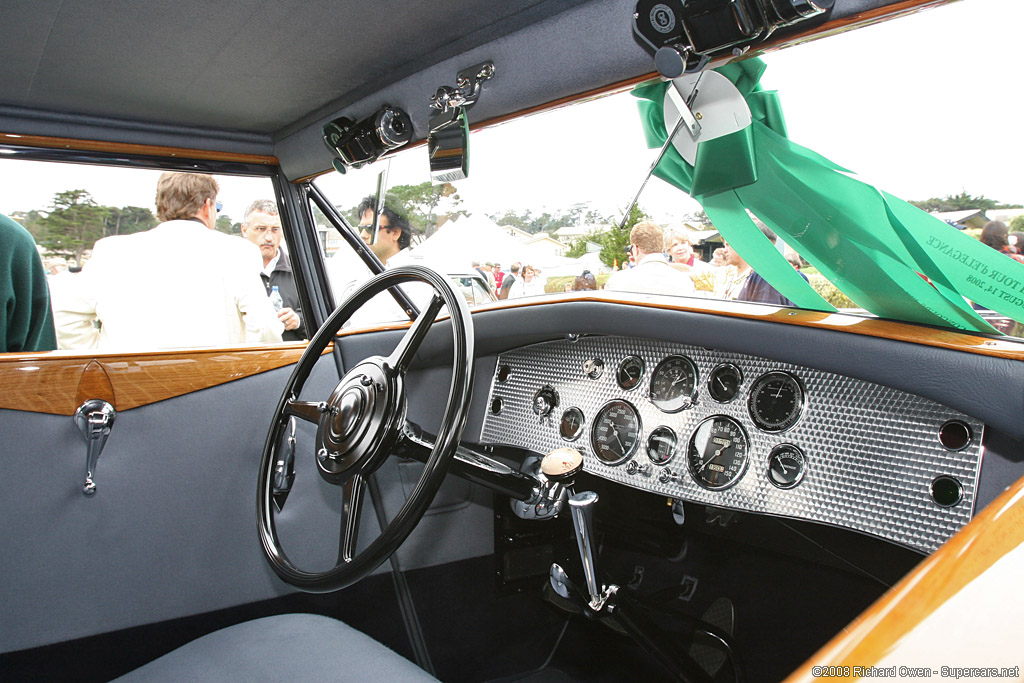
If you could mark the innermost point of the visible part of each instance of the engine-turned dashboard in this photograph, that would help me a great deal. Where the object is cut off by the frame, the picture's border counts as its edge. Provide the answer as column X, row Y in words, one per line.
column 745, row 433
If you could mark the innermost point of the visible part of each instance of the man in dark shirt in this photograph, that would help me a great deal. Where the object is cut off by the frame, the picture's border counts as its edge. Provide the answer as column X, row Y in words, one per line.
column 756, row 288
column 261, row 225
column 26, row 321
column 509, row 280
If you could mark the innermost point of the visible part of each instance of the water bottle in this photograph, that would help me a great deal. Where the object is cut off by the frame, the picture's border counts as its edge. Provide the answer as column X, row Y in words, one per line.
column 275, row 298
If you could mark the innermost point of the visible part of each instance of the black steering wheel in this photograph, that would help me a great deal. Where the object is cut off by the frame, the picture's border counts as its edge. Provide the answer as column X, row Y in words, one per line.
column 360, row 423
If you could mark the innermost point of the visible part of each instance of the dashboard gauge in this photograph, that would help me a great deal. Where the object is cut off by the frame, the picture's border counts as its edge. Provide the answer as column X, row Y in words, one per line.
column 630, row 372
column 776, row 401
column 571, row 424
column 661, row 445
column 786, row 466
column 724, row 382
column 673, row 383
column 717, row 454
column 616, row 432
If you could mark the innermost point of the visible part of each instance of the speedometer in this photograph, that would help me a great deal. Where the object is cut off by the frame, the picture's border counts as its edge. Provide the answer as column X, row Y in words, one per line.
column 717, row 454
column 673, row 383
column 616, row 432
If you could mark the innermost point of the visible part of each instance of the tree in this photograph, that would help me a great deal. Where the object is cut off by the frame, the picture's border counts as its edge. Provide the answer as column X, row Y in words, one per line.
column 425, row 205
column 1017, row 224
column 614, row 242
column 73, row 226
column 225, row 225
column 960, row 202
column 128, row 220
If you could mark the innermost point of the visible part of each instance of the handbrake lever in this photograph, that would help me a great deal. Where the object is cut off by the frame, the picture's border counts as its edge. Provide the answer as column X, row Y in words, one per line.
column 582, row 506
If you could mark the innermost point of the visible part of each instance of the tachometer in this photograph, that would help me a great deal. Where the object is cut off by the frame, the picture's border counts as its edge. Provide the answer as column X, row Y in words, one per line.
column 673, row 383
column 616, row 432
column 776, row 401
column 717, row 455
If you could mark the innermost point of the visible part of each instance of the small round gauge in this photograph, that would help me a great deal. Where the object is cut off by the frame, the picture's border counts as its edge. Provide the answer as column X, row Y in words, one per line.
column 616, row 432
column 673, row 383
column 724, row 382
column 786, row 466
column 776, row 401
column 661, row 445
column 571, row 425
column 630, row 371
column 717, row 454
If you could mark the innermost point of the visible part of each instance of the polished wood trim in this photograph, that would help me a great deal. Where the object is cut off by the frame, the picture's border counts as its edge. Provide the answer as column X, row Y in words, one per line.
column 995, row 532
column 130, row 148
column 58, row 382
column 95, row 384
column 998, row 347
column 836, row 322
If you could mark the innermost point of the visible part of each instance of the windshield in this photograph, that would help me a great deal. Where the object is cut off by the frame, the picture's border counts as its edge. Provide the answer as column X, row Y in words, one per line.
column 874, row 174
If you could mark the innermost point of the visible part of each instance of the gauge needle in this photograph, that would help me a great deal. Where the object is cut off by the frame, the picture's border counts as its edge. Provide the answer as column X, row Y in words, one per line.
column 616, row 433
column 713, row 456
column 779, row 392
column 722, row 383
column 785, row 470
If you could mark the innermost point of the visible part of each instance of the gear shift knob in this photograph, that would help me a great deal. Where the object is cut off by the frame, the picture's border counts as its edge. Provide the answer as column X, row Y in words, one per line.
column 562, row 464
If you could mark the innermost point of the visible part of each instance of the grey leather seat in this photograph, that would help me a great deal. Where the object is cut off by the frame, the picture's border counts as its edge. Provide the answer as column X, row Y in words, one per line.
column 298, row 647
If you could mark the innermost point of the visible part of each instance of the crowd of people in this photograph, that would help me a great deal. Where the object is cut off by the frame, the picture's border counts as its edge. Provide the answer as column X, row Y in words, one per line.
column 194, row 286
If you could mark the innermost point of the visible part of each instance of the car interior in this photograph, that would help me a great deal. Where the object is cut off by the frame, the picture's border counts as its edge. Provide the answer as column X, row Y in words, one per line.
column 437, row 483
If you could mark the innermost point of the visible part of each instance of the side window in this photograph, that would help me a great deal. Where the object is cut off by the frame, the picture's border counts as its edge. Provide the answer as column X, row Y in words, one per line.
column 139, row 259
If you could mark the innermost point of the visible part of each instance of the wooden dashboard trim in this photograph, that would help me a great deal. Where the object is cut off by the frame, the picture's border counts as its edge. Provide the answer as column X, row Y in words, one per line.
column 994, row 533
column 836, row 322
column 132, row 148
column 58, row 382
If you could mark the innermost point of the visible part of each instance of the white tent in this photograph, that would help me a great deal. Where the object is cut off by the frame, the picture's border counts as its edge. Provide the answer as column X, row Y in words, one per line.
column 459, row 242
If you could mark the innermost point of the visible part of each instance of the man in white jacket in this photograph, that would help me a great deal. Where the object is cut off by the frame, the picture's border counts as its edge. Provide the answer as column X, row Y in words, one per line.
column 181, row 284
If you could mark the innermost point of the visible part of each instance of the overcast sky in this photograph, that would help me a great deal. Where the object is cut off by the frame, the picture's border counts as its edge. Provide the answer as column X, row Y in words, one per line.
column 923, row 106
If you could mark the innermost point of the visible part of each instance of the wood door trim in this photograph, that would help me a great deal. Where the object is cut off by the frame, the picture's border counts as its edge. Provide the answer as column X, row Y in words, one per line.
column 993, row 534
column 48, row 142
column 58, row 382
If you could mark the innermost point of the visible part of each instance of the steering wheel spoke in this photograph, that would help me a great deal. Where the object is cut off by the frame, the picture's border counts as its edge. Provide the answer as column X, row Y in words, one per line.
column 305, row 410
column 402, row 356
column 351, row 510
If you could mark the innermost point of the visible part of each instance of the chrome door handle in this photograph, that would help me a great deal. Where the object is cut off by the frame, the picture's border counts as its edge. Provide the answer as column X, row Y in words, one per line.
column 94, row 418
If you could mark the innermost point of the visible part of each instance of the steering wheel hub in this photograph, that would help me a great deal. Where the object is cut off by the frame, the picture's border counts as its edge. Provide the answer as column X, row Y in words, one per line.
column 360, row 412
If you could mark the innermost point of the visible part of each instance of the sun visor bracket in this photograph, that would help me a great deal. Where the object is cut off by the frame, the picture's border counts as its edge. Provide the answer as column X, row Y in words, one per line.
column 448, row 142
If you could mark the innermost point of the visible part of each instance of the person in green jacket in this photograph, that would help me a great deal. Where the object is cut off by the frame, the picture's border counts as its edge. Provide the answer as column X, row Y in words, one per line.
column 26, row 321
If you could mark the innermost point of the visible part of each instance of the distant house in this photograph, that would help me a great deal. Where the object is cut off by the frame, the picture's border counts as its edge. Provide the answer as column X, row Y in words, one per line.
column 571, row 234
column 971, row 218
column 549, row 244
column 517, row 233
column 1004, row 215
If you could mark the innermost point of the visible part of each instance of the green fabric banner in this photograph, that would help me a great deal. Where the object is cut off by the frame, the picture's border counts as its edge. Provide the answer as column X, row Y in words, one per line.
column 876, row 248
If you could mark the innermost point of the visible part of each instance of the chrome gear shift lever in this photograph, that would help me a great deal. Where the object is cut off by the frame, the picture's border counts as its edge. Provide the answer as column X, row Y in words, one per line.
column 582, row 506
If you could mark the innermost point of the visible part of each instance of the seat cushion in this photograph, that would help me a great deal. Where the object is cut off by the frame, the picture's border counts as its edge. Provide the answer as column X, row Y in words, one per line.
column 297, row 647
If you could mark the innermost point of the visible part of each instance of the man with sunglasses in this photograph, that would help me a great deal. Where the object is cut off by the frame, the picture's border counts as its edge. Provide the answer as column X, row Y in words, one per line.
column 181, row 284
